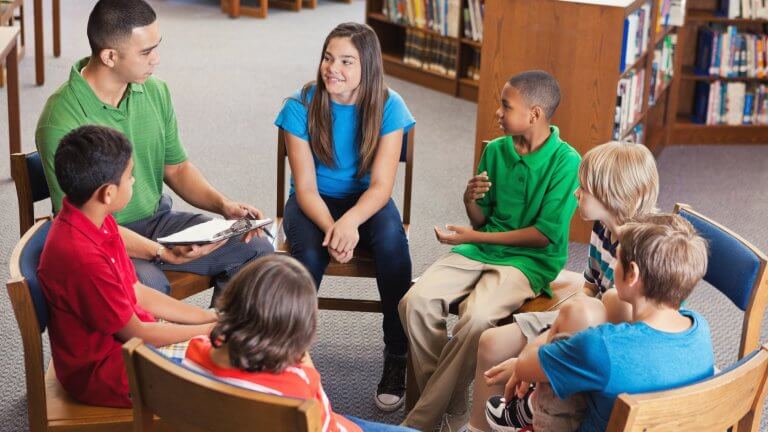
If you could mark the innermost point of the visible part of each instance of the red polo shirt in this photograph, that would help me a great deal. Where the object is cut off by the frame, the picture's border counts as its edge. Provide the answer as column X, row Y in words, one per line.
column 88, row 278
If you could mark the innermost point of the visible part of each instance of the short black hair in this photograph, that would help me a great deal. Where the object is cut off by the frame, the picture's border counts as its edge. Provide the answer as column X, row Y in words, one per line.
column 113, row 21
column 538, row 88
column 88, row 158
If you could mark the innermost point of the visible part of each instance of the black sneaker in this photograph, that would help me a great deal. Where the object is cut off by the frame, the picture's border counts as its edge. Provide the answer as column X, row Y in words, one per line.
column 390, row 393
column 513, row 416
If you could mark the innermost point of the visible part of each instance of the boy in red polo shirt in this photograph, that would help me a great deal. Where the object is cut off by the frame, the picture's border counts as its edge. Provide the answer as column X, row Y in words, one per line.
column 95, row 300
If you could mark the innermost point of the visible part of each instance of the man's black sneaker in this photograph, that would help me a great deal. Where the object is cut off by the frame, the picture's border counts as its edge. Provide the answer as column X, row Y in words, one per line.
column 390, row 393
column 513, row 416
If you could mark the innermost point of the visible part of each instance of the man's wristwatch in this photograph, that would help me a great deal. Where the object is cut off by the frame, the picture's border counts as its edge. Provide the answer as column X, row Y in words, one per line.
column 159, row 254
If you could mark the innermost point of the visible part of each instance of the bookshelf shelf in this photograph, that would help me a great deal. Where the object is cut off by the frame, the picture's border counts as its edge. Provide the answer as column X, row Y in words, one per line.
column 638, row 64
column 660, row 96
column 682, row 129
column 392, row 37
column 665, row 31
column 640, row 119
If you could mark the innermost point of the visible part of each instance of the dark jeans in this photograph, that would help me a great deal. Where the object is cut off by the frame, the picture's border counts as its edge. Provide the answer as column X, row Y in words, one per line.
column 223, row 263
column 382, row 234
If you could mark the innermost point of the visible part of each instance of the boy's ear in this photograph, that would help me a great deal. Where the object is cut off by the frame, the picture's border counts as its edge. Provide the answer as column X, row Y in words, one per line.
column 632, row 274
column 536, row 114
column 105, row 194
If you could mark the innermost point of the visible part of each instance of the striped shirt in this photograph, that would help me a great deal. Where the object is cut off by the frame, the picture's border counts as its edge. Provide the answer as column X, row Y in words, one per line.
column 299, row 381
column 602, row 258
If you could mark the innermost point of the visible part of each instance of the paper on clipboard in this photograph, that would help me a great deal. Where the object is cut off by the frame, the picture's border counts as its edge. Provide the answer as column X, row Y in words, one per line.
column 213, row 231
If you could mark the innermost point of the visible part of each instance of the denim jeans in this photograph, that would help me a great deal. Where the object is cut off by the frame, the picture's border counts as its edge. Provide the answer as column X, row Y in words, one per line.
column 368, row 426
column 382, row 234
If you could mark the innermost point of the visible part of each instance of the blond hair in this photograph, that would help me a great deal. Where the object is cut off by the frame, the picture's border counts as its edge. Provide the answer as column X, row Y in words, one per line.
column 670, row 255
column 623, row 177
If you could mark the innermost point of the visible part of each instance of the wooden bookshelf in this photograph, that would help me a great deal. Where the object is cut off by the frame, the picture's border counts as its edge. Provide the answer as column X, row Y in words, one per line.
column 392, row 39
column 576, row 41
column 683, row 130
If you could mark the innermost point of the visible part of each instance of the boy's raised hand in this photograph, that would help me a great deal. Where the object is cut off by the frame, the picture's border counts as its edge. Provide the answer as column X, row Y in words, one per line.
column 455, row 235
column 477, row 188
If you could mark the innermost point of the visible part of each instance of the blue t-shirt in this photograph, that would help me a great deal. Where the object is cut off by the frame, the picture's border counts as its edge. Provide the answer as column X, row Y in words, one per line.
column 611, row 359
column 341, row 180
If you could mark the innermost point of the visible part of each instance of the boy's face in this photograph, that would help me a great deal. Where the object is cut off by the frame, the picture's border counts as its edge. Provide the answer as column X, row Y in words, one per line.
column 137, row 57
column 124, row 190
column 590, row 208
column 515, row 115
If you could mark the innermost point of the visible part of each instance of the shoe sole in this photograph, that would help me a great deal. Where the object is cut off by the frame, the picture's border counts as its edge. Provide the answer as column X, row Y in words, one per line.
column 388, row 408
column 499, row 428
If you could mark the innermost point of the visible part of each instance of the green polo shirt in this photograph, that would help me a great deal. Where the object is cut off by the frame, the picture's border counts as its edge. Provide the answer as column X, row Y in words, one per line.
column 535, row 190
column 145, row 115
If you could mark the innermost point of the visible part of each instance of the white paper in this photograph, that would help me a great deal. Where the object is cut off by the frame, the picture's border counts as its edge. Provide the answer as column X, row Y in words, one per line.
column 205, row 232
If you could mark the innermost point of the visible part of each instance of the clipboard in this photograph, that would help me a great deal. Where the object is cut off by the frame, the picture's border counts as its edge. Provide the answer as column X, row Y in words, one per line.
column 213, row 231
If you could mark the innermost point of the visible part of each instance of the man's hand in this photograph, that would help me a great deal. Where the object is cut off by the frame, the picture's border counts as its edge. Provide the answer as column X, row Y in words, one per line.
column 184, row 254
column 476, row 188
column 456, row 235
column 500, row 373
column 235, row 210
column 342, row 236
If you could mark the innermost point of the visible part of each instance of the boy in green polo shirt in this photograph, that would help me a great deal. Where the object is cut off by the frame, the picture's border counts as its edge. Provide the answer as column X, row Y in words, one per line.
column 520, row 206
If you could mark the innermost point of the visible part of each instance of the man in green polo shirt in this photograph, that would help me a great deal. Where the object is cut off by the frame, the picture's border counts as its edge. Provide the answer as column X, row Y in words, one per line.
column 520, row 206
column 114, row 87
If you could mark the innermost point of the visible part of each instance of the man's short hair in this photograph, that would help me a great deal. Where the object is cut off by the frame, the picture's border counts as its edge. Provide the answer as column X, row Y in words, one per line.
column 112, row 22
column 671, row 256
column 539, row 89
column 88, row 158
column 623, row 177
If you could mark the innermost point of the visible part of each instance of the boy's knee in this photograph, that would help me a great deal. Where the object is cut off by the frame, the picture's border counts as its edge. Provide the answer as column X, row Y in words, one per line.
column 616, row 309
column 414, row 301
column 494, row 343
column 579, row 314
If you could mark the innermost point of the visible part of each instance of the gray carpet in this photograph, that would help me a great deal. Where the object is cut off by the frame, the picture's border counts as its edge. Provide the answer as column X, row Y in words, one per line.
column 228, row 78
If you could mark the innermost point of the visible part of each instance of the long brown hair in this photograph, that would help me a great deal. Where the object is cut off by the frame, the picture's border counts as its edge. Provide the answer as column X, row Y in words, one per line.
column 370, row 102
column 267, row 315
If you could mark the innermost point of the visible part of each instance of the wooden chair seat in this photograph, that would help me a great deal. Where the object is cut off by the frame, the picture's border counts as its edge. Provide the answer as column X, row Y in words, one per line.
column 185, row 285
column 64, row 411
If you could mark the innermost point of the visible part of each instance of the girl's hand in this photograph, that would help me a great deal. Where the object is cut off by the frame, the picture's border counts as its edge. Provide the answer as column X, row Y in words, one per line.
column 342, row 236
column 341, row 257
column 456, row 235
column 500, row 373
column 477, row 188
column 515, row 387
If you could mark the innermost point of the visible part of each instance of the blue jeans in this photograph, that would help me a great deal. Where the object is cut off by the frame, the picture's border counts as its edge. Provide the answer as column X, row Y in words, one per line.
column 382, row 234
column 368, row 426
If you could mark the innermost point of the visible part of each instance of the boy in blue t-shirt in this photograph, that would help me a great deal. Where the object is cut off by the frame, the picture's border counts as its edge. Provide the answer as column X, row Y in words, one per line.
column 659, row 260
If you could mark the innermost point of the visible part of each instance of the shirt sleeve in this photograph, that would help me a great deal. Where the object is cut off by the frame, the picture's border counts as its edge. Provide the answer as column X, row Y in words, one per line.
column 559, row 202
column 293, row 118
column 101, row 301
column 174, row 151
column 396, row 115
column 47, row 140
column 577, row 364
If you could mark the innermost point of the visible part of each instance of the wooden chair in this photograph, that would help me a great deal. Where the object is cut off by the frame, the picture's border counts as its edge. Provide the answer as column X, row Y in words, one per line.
column 738, row 270
column 362, row 265
column 234, row 9
column 31, row 187
column 731, row 400
column 49, row 406
column 187, row 400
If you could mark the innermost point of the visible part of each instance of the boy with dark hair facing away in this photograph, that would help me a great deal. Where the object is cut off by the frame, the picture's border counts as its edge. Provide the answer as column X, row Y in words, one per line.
column 660, row 259
column 88, row 280
column 520, row 205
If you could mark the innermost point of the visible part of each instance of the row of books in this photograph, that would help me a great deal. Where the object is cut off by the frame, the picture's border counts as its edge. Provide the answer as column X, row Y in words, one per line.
column 429, row 52
column 662, row 67
column 751, row 9
column 473, row 19
column 730, row 103
column 473, row 70
column 671, row 13
column 723, row 51
column 637, row 31
column 441, row 16
column 629, row 102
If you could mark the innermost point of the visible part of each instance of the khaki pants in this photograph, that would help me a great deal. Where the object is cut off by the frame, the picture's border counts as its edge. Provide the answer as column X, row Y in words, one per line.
column 443, row 369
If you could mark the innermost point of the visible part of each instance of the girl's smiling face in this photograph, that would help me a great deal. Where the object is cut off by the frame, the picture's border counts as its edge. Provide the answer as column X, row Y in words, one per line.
column 341, row 70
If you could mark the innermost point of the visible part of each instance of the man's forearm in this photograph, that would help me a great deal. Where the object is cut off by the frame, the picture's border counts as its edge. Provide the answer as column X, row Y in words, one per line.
column 138, row 246
column 190, row 184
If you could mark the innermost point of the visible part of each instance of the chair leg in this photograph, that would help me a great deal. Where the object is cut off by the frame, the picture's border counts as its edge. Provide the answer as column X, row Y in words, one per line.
column 309, row 4
column 56, row 28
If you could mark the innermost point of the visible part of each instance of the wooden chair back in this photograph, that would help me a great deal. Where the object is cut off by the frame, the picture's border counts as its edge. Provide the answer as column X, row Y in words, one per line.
column 406, row 157
column 731, row 400
column 31, row 186
column 187, row 400
column 737, row 269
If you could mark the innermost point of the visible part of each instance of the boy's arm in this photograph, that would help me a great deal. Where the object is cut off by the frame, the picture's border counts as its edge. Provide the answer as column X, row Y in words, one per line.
column 161, row 334
column 170, row 309
column 476, row 189
column 525, row 237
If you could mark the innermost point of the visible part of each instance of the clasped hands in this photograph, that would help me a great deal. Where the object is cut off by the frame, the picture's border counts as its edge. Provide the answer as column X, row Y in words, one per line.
column 341, row 239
